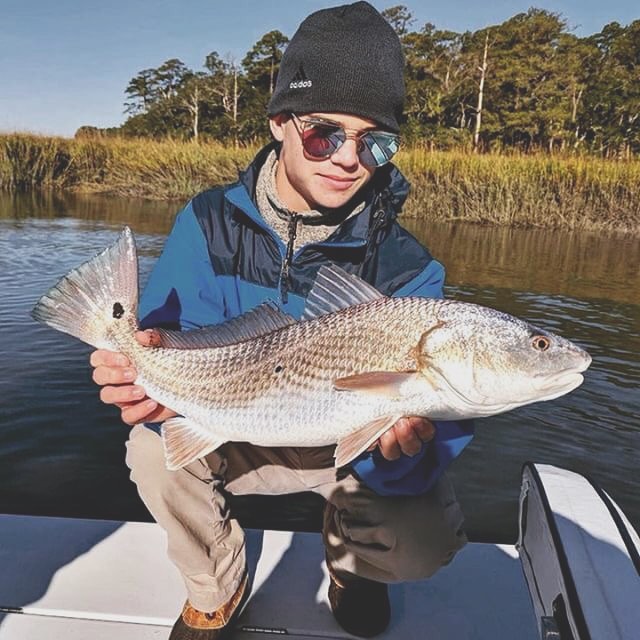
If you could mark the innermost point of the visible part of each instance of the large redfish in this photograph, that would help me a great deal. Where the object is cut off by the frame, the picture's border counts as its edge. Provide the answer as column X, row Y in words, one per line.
column 354, row 364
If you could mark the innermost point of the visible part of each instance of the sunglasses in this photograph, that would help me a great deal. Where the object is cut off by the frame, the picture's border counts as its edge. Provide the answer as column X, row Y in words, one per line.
column 321, row 139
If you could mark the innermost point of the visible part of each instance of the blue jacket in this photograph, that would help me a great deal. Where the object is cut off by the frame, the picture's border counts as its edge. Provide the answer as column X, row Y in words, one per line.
column 221, row 259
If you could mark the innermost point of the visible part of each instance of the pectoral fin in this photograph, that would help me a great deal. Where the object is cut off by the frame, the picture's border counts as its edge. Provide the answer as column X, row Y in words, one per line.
column 351, row 446
column 385, row 383
column 184, row 442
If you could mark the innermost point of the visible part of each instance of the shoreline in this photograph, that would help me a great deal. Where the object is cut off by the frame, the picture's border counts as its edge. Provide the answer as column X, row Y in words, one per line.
column 508, row 189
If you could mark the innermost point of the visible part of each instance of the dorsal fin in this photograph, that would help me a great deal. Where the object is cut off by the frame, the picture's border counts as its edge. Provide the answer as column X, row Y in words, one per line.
column 335, row 289
column 257, row 322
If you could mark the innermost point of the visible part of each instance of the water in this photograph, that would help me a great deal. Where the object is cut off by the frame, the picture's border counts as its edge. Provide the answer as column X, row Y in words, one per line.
column 61, row 450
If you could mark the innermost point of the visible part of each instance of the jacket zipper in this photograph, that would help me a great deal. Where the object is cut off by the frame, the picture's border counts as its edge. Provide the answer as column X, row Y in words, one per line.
column 288, row 259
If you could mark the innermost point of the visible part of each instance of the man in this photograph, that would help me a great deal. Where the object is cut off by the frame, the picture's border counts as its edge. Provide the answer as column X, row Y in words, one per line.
column 322, row 192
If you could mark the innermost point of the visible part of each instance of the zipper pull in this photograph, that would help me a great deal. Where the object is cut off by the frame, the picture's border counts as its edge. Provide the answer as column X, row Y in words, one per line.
column 376, row 223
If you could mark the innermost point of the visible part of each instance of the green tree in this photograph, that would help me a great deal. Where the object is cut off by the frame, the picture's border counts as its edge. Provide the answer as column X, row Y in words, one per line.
column 613, row 97
column 228, row 88
column 154, row 102
column 193, row 92
column 262, row 62
column 399, row 17
column 522, row 93
column 578, row 59
column 260, row 65
column 169, row 76
column 140, row 92
column 435, row 70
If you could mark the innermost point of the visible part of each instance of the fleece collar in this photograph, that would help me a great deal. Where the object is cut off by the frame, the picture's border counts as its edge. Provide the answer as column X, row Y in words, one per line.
column 386, row 193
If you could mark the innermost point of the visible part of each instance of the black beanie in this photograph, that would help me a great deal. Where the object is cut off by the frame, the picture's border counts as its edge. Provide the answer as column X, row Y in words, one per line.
column 345, row 59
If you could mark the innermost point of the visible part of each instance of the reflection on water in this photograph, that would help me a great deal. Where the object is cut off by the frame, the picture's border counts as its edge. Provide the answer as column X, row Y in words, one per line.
column 61, row 450
column 143, row 216
column 582, row 265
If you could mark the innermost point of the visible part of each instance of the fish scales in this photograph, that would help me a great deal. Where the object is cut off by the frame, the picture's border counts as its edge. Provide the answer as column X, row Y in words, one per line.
column 239, row 389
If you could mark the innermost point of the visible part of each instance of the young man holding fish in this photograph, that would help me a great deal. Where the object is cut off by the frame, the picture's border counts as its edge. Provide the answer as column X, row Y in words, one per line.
column 323, row 193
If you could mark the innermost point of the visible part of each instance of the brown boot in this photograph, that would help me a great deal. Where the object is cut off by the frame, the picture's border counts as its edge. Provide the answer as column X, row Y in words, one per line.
column 217, row 625
column 360, row 606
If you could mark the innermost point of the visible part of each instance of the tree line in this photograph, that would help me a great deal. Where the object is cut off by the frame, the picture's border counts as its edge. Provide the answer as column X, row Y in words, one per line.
column 527, row 83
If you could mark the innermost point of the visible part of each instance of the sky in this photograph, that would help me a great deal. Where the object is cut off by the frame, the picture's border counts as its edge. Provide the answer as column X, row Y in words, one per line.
column 66, row 63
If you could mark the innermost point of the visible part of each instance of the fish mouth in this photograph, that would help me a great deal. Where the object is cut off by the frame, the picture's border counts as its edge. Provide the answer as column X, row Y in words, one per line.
column 560, row 384
column 566, row 380
column 586, row 362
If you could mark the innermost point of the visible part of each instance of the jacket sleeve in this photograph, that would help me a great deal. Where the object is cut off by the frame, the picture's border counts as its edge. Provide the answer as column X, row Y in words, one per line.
column 182, row 291
column 412, row 475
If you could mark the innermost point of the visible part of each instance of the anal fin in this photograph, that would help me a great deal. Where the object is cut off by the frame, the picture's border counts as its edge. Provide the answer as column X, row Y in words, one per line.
column 184, row 442
column 351, row 446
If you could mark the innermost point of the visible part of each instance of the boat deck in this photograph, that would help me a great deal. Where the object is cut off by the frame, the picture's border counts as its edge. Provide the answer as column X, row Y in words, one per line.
column 78, row 579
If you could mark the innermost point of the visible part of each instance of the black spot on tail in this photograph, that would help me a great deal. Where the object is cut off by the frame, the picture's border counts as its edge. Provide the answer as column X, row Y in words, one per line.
column 118, row 310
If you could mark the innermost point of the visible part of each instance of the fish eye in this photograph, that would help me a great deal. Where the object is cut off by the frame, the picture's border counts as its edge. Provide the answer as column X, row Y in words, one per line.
column 541, row 343
column 118, row 311
column 278, row 368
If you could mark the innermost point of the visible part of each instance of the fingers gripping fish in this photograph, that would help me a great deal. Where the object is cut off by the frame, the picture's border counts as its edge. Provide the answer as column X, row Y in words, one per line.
column 354, row 364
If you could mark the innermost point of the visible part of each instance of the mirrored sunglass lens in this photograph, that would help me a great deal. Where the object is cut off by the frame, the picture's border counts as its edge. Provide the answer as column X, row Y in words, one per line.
column 320, row 141
column 379, row 148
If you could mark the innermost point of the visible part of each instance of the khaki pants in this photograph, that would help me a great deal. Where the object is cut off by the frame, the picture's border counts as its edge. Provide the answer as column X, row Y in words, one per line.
column 388, row 539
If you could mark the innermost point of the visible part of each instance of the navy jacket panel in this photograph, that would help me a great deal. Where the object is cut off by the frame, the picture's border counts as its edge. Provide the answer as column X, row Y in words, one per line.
column 182, row 291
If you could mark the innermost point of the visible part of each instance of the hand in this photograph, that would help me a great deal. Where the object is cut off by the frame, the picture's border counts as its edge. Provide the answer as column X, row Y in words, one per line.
column 406, row 436
column 114, row 373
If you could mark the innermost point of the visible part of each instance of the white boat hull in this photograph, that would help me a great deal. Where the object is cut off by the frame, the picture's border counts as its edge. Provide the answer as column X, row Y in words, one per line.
column 580, row 557
column 94, row 579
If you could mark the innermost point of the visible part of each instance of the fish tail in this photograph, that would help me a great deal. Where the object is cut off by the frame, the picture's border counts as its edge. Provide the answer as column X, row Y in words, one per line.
column 92, row 297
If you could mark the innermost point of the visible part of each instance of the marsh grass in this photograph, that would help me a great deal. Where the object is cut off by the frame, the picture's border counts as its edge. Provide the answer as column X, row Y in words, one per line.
column 139, row 168
column 170, row 169
column 507, row 189
column 523, row 190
